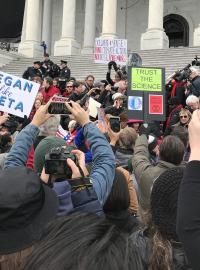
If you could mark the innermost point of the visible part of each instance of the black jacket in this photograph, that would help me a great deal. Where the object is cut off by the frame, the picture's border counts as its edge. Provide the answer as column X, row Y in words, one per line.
column 188, row 213
column 65, row 73
column 144, row 248
column 32, row 72
column 194, row 87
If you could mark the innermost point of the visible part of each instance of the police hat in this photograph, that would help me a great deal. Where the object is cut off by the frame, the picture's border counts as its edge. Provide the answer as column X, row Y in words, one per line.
column 37, row 63
column 63, row 62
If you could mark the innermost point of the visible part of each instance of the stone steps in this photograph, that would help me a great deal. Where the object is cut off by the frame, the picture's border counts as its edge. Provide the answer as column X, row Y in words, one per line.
column 82, row 65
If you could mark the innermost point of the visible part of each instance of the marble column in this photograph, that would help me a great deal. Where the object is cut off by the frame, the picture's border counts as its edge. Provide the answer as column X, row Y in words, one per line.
column 196, row 41
column 67, row 45
column 90, row 27
column 47, row 24
column 30, row 44
column 109, row 25
column 155, row 37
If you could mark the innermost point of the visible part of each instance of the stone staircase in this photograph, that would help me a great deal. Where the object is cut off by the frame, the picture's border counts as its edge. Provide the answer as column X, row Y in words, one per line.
column 81, row 65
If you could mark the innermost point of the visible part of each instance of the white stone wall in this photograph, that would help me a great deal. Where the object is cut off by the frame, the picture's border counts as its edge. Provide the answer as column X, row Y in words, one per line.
column 137, row 18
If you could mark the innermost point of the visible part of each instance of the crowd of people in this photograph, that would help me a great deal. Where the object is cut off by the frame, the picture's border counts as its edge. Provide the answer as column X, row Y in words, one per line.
column 79, row 192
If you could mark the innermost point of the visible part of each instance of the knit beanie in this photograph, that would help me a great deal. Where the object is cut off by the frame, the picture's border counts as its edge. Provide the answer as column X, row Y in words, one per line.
column 43, row 148
column 164, row 199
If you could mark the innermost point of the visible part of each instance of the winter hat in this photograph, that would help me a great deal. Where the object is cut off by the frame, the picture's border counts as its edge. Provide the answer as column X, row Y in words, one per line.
column 43, row 148
column 153, row 142
column 164, row 198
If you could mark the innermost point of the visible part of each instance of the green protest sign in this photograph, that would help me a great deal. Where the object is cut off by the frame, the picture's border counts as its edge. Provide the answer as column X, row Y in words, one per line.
column 146, row 79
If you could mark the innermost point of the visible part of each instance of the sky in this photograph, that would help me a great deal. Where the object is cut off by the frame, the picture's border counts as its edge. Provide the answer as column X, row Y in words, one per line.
column 11, row 18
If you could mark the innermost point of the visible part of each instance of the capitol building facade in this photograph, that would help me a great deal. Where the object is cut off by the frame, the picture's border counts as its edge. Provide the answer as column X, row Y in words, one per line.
column 70, row 27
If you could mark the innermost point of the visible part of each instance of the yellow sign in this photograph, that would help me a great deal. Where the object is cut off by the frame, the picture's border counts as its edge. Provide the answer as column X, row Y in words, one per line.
column 146, row 79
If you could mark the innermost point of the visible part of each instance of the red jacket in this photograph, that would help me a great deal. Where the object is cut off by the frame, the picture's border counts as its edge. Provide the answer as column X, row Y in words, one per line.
column 50, row 93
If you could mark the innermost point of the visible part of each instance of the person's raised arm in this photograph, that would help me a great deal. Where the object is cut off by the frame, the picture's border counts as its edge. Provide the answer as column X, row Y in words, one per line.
column 18, row 154
column 188, row 215
column 103, row 167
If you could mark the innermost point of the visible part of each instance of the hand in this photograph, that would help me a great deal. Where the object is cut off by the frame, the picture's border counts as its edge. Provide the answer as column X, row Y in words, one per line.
column 194, row 133
column 108, row 87
column 90, row 91
column 114, row 137
column 41, row 115
column 4, row 118
column 80, row 115
column 81, row 161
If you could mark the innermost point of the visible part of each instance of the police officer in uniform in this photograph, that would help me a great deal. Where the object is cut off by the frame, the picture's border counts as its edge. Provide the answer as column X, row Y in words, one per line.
column 64, row 76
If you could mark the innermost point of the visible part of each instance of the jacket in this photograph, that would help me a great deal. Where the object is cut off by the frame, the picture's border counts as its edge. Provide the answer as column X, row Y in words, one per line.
column 103, row 167
column 144, row 248
column 50, row 93
column 194, row 87
column 144, row 171
column 188, row 213
column 123, row 156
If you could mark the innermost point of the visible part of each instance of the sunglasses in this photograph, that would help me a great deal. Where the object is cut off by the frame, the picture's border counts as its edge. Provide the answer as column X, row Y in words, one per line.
column 183, row 116
column 70, row 86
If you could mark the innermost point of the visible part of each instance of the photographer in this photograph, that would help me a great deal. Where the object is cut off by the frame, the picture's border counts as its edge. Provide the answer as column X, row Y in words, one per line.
column 117, row 108
column 194, row 83
column 102, row 172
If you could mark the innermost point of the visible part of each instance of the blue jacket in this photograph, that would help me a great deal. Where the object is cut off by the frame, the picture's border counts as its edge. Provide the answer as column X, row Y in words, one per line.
column 103, row 165
column 79, row 141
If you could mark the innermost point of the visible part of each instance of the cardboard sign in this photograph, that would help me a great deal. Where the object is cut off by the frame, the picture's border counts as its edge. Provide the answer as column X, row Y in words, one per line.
column 146, row 79
column 93, row 107
column 17, row 95
column 107, row 50
column 155, row 104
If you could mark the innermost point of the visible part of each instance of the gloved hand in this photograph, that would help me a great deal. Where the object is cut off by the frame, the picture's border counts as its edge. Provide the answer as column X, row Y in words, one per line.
column 145, row 130
column 110, row 65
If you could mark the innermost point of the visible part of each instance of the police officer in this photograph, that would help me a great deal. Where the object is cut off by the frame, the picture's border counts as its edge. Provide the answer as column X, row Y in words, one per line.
column 64, row 76
column 35, row 71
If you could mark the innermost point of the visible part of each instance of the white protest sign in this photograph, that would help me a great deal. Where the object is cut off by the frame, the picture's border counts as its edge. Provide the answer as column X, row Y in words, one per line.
column 107, row 50
column 93, row 107
column 17, row 95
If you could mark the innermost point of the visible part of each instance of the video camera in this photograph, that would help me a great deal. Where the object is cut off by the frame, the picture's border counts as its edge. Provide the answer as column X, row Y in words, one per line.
column 182, row 74
column 55, row 161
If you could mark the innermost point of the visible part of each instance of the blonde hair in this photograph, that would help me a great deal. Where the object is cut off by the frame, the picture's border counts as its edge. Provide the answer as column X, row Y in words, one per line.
column 15, row 261
column 185, row 111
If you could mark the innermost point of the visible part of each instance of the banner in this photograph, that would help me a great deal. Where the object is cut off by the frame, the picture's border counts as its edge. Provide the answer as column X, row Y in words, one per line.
column 17, row 95
column 107, row 50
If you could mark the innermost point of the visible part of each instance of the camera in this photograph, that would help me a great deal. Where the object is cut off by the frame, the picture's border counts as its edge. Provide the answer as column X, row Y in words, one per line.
column 55, row 161
column 183, row 74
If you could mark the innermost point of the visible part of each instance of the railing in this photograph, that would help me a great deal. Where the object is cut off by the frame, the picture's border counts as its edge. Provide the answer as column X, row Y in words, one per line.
column 6, row 46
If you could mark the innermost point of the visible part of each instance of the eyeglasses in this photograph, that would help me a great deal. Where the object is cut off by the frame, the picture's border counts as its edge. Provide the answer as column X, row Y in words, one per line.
column 183, row 116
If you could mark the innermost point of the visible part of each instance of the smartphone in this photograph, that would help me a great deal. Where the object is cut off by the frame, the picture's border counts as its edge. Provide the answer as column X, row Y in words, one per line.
column 58, row 106
column 115, row 124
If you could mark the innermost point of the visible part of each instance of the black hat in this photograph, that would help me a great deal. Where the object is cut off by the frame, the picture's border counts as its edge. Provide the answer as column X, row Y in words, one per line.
column 37, row 63
column 164, row 198
column 63, row 62
column 26, row 206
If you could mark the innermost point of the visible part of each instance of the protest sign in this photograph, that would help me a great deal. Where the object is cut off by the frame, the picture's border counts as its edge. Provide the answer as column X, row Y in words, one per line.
column 146, row 79
column 146, row 93
column 17, row 95
column 107, row 50
column 155, row 104
column 93, row 107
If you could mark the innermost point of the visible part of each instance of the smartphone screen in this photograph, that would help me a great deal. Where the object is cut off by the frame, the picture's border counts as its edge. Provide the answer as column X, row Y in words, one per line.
column 115, row 124
column 58, row 108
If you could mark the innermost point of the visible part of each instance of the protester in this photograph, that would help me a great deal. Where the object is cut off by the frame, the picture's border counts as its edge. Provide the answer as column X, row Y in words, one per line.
column 89, row 82
column 79, row 91
column 84, row 241
column 28, row 206
column 117, row 108
column 158, row 244
column 116, row 207
column 188, row 203
column 170, row 155
column 69, row 89
column 50, row 90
